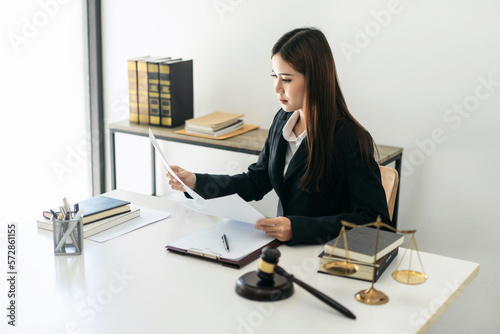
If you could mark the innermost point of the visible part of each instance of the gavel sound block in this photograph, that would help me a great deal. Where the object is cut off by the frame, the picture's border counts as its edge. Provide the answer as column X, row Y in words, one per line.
column 262, row 284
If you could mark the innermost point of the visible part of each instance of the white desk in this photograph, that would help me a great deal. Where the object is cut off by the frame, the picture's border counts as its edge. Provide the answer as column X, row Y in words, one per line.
column 132, row 285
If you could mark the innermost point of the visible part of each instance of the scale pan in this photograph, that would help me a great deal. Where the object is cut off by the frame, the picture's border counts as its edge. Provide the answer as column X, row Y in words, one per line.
column 342, row 268
column 409, row 277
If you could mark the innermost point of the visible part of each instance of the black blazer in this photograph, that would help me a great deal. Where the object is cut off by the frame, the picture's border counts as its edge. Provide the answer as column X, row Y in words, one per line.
column 357, row 195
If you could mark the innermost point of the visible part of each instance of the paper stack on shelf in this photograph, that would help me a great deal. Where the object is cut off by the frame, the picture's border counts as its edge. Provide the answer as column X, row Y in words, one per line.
column 215, row 124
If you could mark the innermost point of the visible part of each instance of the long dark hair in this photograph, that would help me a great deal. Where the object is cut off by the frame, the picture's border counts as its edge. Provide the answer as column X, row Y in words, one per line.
column 308, row 52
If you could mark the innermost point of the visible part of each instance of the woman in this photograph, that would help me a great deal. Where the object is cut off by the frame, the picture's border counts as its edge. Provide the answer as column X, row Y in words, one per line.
column 317, row 157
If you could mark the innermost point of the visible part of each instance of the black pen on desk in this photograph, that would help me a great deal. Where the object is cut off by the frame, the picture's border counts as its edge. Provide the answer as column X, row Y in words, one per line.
column 224, row 241
column 67, row 208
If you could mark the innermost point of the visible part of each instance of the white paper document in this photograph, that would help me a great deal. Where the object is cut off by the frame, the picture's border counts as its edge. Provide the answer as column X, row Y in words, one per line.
column 148, row 216
column 242, row 239
column 231, row 207
column 153, row 140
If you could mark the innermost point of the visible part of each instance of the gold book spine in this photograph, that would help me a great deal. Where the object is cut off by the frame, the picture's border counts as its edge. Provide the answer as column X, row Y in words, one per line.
column 142, row 91
column 132, row 91
column 165, row 96
column 154, row 94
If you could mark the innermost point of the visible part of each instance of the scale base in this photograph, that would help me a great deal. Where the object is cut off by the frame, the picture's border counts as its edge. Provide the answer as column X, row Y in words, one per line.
column 250, row 286
column 372, row 296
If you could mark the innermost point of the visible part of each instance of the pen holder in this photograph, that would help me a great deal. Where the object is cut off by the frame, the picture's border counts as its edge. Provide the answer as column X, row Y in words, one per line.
column 68, row 236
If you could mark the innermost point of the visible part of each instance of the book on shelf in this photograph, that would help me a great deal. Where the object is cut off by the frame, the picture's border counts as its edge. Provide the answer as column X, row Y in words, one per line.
column 213, row 121
column 246, row 128
column 142, row 91
column 238, row 125
column 132, row 89
column 154, row 92
column 143, row 88
column 96, row 208
column 361, row 244
column 96, row 226
column 365, row 270
column 164, row 90
column 165, row 76
column 154, row 89
column 176, row 92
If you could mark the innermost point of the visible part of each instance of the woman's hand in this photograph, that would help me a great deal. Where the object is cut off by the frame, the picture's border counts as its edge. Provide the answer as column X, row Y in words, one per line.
column 188, row 178
column 280, row 227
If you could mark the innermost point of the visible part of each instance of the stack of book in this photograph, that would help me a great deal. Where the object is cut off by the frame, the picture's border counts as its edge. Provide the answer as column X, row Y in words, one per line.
column 99, row 213
column 160, row 90
column 215, row 124
column 361, row 251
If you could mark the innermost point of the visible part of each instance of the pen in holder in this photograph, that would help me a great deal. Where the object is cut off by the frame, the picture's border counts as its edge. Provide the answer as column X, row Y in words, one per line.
column 68, row 236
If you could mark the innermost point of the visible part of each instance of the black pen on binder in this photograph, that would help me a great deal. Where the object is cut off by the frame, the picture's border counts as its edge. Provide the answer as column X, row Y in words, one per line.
column 224, row 241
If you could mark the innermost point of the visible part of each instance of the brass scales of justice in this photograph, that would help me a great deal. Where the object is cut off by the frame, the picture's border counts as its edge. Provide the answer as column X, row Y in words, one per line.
column 345, row 267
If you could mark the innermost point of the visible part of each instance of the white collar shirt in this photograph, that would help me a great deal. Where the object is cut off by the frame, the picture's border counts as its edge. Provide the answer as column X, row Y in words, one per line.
column 293, row 140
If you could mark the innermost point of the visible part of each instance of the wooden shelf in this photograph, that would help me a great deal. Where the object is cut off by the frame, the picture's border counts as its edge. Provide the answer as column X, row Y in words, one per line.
column 251, row 142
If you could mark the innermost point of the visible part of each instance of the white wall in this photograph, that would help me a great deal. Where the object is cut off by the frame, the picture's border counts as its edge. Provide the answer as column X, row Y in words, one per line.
column 44, row 141
column 415, row 73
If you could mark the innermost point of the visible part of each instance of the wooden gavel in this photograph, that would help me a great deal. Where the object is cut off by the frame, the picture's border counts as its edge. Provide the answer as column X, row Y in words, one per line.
column 263, row 285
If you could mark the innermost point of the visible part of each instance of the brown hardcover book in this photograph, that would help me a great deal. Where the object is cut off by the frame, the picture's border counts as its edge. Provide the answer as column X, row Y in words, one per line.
column 365, row 270
column 246, row 128
column 213, row 121
column 361, row 244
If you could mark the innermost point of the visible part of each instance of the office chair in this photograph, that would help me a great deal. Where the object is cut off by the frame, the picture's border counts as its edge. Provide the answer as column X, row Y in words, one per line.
column 390, row 181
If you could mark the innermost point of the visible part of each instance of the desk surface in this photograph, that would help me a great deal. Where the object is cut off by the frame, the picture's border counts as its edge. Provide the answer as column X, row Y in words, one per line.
column 251, row 142
column 132, row 285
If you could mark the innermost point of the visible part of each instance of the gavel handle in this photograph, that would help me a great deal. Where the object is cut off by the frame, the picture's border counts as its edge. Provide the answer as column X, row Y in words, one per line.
column 318, row 294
